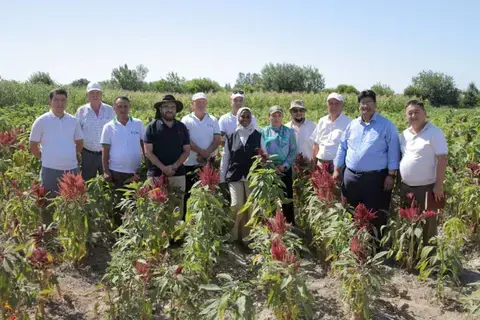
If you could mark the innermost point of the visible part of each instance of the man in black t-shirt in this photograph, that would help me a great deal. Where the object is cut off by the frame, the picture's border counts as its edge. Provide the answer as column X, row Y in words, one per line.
column 167, row 144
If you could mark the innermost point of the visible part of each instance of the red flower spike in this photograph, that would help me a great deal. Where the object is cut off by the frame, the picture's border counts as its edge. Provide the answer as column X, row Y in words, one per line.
column 143, row 269
column 410, row 195
column 39, row 193
column 278, row 249
column 301, row 163
column 263, row 155
column 358, row 248
column 324, row 184
column 39, row 258
column 7, row 138
column 278, row 224
column 179, row 270
column 72, row 187
column 427, row 214
column 475, row 168
column 209, row 176
column 158, row 195
column 363, row 217
column 412, row 213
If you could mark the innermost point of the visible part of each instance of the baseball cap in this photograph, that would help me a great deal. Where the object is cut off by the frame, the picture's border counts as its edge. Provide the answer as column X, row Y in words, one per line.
column 297, row 104
column 94, row 86
column 237, row 93
column 275, row 109
column 199, row 95
column 335, row 95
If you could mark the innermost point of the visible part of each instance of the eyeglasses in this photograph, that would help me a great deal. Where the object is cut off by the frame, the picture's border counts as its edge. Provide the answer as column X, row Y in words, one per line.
column 237, row 91
column 297, row 110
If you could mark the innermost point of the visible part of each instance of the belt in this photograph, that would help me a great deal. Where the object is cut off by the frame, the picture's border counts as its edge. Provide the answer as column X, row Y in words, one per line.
column 324, row 161
column 370, row 171
column 92, row 152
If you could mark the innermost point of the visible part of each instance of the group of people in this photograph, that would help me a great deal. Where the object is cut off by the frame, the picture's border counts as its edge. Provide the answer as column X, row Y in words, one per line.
column 364, row 154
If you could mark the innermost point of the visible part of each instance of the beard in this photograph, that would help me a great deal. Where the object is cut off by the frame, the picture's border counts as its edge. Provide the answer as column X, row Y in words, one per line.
column 299, row 120
column 168, row 116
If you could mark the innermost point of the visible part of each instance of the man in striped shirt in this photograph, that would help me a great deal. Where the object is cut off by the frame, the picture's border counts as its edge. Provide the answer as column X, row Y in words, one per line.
column 92, row 117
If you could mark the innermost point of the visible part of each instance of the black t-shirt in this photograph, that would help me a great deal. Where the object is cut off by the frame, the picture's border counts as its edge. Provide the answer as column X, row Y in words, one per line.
column 167, row 144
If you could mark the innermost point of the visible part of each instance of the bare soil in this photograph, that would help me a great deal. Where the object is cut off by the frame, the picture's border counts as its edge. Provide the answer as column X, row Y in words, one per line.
column 404, row 297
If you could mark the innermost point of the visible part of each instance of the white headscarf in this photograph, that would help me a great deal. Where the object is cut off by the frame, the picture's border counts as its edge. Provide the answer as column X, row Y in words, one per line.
column 244, row 132
column 248, row 129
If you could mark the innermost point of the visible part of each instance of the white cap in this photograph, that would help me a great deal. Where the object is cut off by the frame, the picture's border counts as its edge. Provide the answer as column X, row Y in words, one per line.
column 237, row 95
column 199, row 95
column 335, row 95
column 94, row 86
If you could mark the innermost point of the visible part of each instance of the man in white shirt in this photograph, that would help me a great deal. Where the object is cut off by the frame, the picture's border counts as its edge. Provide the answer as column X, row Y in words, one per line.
column 55, row 139
column 329, row 130
column 122, row 144
column 422, row 167
column 204, row 139
column 228, row 122
column 92, row 117
column 303, row 128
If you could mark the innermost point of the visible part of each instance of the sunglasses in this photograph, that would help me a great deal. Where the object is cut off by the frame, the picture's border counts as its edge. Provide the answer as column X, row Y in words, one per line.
column 297, row 110
column 237, row 91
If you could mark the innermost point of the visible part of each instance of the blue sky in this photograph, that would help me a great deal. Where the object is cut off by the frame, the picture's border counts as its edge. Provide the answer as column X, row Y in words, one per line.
column 352, row 41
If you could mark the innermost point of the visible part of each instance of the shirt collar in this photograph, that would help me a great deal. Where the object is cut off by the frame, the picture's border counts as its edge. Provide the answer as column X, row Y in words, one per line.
column 372, row 119
column 195, row 117
column 341, row 115
column 54, row 116
column 115, row 121
column 427, row 126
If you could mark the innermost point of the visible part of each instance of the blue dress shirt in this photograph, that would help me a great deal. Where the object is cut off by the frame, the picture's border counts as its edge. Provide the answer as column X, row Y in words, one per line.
column 369, row 147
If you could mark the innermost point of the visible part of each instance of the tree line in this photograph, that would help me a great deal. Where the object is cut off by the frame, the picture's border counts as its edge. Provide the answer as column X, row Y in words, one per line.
column 440, row 89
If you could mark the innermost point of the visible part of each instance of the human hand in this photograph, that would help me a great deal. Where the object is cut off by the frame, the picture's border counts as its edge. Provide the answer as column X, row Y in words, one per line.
column 438, row 192
column 388, row 183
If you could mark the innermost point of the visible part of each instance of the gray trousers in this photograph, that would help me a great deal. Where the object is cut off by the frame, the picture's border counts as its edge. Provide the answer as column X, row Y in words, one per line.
column 91, row 164
column 49, row 180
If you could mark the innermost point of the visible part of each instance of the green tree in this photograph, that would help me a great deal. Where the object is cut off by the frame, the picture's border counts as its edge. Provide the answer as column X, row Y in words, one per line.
column 382, row 89
column 130, row 79
column 290, row 77
column 437, row 87
column 201, row 85
column 249, row 82
column 412, row 91
column 346, row 89
column 472, row 96
column 41, row 78
column 80, row 83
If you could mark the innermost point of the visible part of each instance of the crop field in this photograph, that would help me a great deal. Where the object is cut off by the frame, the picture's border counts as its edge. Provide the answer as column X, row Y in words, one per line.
column 157, row 267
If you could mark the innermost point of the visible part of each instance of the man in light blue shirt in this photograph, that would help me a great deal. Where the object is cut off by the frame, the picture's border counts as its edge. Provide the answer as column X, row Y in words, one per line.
column 369, row 152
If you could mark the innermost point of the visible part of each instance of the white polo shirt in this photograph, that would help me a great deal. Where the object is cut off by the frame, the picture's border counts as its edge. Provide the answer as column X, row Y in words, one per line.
column 228, row 123
column 201, row 133
column 124, row 140
column 304, row 134
column 418, row 166
column 92, row 125
column 328, row 134
column 57, row 140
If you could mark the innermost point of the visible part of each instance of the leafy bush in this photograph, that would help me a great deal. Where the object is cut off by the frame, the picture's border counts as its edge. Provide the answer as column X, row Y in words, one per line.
column 41, row 78
column 382, row 89
column 130, row 79
column 290, row 77
column 346, row 89
column 80, row 83
column 201, row 85
column 437, row 87
column 412, row 91
column 471, row 97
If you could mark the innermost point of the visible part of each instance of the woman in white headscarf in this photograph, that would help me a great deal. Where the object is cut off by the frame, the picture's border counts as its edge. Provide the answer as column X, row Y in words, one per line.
column 240, row 148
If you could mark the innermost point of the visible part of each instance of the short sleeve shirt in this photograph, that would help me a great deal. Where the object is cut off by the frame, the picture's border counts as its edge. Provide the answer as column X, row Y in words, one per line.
column 92, row 125
column 328, row 134
column 124, row 141
column 167, row 144
column 201, row 133
column 419, row 162
column 303, row 135
column 57, row 140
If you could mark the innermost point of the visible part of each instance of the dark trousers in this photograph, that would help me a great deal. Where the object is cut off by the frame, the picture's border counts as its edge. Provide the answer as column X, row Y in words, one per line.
column 91, row 164
column 367, row 188
column 191, row 176
column 118, row 180
column 287, row 208
column 419, row 192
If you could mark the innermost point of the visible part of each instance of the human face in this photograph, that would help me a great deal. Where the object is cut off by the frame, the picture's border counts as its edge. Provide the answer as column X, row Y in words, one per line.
column 276, row 119
column 237, row 103
column 367, row 107
column 334, row 107
column 298, row 114
column 168, row 111
column 94, row 96
column 58, row 104
column 245, row 118
column 416, row 116
column 122, row 108
column 200, row 106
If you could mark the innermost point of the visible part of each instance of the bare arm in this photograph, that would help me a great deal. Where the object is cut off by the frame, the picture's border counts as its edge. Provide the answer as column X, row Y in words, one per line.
column 441, row 168
column 195, row 148
column 105, row 158
column 79, row 145
column 153, row 158
column 217, row 139
column 142, row 146
column 315, row 151
column 183, row 157
column 35, row 149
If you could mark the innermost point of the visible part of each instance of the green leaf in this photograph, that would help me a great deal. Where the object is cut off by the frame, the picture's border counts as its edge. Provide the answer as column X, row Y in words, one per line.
column 210, row 287
column 241, row 301
column 418, row 232
column 286, row 282
column 225, row 276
